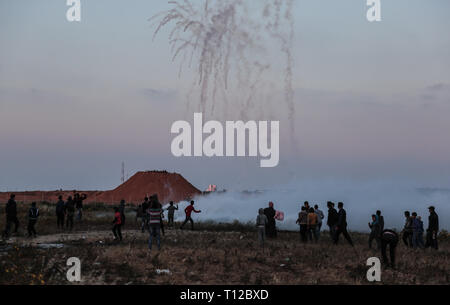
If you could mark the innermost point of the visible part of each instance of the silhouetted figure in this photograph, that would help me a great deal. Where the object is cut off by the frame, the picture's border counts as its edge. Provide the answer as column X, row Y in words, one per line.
column 389, row 238
column 139, row 215
column 70, row 209
column 380, row 220
column 311, row 225
column 154, row 199
column 320, row 217
column 33, row 215
column 78, row 200
column 306, row 205
column 332, row 219
column 117, row 225
column 171, row 213
column 60, row 213
column 302, row 221
column 155, row 223
column 145, row 217
column 271, row 229
column 341, row 226
column 122, row 211
column 417, row 238
column 188, row 211
column 375, row 231
column 261, row 222
column 11, row 216
column 433, row 229
column 408, row 230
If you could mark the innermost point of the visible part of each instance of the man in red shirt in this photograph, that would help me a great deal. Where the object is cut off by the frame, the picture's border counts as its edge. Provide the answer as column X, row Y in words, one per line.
column 188, row 210
column 117, row 222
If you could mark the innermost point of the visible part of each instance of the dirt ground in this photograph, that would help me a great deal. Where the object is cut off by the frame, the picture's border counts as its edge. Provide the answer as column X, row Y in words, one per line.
column 213, row 254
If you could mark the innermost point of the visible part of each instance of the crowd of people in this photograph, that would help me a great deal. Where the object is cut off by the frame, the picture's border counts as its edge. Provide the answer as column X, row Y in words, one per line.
column 150, row 215
column 310, row 221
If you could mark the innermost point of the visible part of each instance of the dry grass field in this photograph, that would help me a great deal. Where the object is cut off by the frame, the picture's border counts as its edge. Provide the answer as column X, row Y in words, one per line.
column 213, row 254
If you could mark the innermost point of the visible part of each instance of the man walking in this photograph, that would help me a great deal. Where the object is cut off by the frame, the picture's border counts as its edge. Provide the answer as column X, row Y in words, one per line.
column 11, row 216
column 341, row 226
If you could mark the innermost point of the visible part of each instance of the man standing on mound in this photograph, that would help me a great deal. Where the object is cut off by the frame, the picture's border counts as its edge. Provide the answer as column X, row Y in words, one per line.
column 188, row 210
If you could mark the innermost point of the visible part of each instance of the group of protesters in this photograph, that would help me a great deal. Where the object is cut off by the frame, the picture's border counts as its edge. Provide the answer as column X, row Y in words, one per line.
column 150, row 214
column 65, row 212
column 310, row 221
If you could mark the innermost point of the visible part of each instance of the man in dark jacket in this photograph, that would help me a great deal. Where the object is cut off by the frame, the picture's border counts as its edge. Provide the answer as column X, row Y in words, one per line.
column 70, row 208
column 433, row 229
column 271, row 230
column 332, row 218
column 341, row 226
column 60, row 213
column 33, row 215
column 11, row 216
column 408, row 230
column 389, row 238
column 145, row 217
column 380, row 221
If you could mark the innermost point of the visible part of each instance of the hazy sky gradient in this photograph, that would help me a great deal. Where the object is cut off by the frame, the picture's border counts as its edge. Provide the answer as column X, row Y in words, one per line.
column 77, row 99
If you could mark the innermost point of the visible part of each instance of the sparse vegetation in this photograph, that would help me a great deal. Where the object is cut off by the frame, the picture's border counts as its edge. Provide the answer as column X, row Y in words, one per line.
column 213, row 254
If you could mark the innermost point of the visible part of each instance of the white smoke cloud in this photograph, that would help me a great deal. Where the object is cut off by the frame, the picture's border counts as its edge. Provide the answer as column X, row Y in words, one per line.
column 361, row 200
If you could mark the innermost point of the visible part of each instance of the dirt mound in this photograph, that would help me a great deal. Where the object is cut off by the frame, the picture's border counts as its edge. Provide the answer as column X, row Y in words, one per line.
column 168, row 186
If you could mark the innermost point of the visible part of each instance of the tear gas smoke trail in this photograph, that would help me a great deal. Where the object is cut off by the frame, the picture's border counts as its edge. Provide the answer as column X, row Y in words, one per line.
column 226, row 42
column 361, row 200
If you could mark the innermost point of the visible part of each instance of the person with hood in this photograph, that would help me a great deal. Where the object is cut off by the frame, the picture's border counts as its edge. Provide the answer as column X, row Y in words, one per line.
column 408, row 230
column 70, row 208
column 11, row 216
column 433, row 229
column 271, row 229
column 302, row 220
column 417, row 238
column 171, row 213
column 332, row 219
column 155, row 223
column 145, row 207
column 261, row 222
column 320, row 217
column 122, row 211
column 341, row 226
column 33, row 215
column 188, row 211
column 375, row 232
column 389, row 238
column 117, row 224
